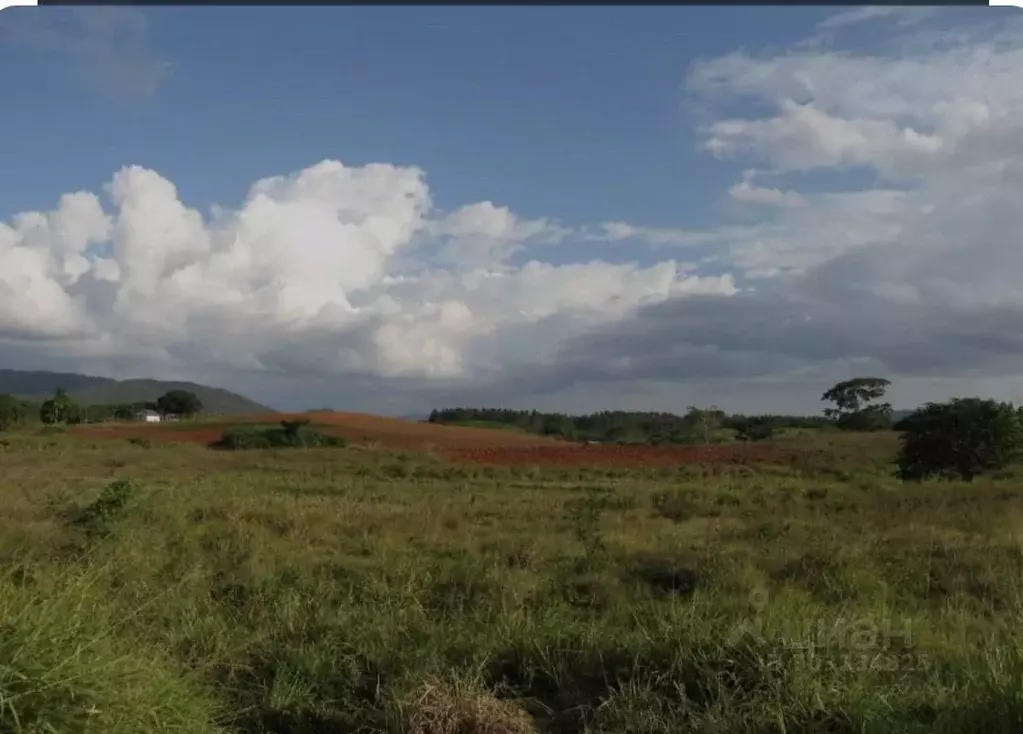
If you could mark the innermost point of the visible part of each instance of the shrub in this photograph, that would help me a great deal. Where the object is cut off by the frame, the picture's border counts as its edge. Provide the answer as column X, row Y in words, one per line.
column 755, row 429
column 965, row 437
column 291, row 434
column 675, row 505
column 293, row 428
column 98, row 517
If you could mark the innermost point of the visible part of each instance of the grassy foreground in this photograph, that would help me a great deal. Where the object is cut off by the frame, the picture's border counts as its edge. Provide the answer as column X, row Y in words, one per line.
column 177, row 589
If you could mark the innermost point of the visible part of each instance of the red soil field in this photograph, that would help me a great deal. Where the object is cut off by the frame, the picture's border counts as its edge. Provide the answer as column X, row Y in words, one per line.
column 357, row 428
column 472, row 445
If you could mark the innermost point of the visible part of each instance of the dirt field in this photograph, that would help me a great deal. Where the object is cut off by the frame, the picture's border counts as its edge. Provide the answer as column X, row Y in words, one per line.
column 354, row 427
column 471, row 445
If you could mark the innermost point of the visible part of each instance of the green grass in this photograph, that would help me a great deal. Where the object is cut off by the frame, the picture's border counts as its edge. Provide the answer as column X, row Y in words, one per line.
column 187, row 590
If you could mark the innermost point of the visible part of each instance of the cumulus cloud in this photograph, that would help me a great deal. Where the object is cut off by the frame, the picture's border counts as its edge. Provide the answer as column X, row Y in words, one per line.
column 484, row 234
column 310, row 274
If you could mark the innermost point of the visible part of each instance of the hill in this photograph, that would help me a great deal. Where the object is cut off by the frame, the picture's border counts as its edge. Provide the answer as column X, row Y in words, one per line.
column 90, row 390
column 20, row 382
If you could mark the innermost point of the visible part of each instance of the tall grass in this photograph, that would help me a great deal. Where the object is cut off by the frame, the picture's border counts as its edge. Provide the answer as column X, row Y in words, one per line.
column 179, row 589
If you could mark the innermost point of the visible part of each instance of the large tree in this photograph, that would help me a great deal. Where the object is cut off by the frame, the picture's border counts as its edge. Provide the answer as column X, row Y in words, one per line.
column 852, row 404
column 703, row 422
column 964, row 438
column 179, row 402
column 59, row 409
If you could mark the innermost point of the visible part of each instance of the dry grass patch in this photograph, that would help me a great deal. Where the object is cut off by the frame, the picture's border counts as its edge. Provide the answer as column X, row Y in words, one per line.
column 462, row 708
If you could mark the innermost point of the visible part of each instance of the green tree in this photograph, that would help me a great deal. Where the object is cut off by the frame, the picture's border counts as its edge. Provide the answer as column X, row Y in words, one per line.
column 59, row 408
column 852, row 399
column 965, row 437
column 703, row 422
column 123, row 412
column 757, row 428
column 12, row 412
column 179, row 402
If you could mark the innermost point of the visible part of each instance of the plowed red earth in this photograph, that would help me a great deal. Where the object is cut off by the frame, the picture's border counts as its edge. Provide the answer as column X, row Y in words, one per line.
column 578, row 455
column 472, row 445
column 354, row 427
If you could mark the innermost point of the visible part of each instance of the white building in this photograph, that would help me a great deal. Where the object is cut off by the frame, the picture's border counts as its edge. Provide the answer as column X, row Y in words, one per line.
column 148, row 416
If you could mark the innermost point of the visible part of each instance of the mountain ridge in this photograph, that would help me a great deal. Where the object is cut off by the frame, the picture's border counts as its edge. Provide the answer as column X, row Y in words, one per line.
column 38, row 385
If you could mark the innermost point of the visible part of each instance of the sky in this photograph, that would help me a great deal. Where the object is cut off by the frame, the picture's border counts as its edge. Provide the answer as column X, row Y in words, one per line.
column 393, row 209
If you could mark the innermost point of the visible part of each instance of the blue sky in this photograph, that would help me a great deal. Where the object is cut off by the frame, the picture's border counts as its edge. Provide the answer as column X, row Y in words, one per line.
column 527, row 106
column 654, row 164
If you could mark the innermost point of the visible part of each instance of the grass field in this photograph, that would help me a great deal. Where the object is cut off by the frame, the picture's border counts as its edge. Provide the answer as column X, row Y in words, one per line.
column 178, row 589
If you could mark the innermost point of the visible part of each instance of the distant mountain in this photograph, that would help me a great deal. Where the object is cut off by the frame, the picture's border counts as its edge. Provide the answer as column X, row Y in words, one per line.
column 89, row 390
column 18, row 382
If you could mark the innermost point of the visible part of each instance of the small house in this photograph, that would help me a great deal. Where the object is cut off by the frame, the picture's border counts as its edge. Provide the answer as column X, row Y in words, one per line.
column 147, row 416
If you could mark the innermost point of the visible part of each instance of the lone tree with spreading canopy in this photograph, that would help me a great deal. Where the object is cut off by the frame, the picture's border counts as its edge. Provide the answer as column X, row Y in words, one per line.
column 179, row 402
column 852, row 399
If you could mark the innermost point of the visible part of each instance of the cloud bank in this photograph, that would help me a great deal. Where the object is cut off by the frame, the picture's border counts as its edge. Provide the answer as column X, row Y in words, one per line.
column 320, row 271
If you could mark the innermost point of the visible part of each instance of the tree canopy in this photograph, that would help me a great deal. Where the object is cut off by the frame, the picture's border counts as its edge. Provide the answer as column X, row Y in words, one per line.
column 60, row 409
column 964, row 438
column 620, row 426
column 853, row 410
column 12, row 412
column 179, row 402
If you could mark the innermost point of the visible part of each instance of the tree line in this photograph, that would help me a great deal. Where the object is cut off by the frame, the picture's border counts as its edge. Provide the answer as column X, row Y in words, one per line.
column 961, row 438
column 854, row 409
column 696, row 425
column 63, row 409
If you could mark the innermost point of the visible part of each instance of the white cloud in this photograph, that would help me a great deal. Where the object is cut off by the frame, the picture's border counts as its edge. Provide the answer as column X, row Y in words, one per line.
column 666, row 237
column 803, row 137
column 898, row 14
column 483, row 234
column 748, row 193
column 912, row 280
column 304, row 275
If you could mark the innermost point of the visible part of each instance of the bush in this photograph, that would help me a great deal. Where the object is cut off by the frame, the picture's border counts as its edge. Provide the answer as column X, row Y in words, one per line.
column 965, row 437
column 291, row 434
column 97, row 518
column 755, row 429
